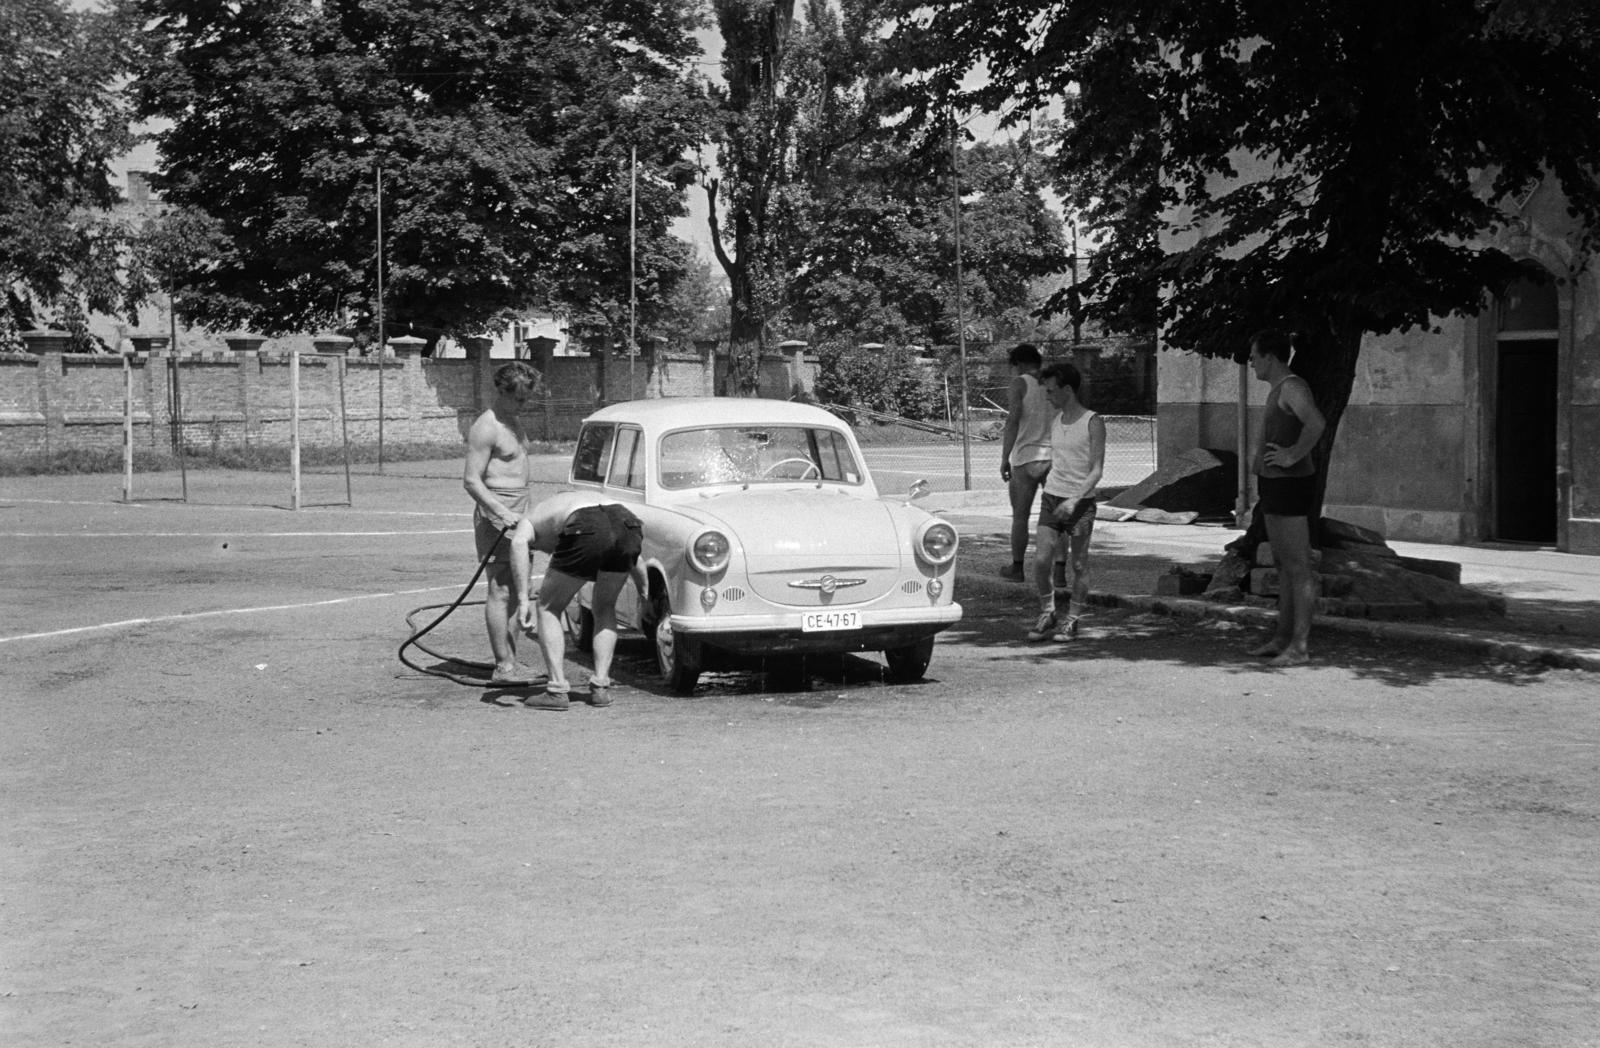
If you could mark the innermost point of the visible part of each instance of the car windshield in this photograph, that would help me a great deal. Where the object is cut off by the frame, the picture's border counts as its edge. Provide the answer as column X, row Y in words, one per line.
column 693, row 458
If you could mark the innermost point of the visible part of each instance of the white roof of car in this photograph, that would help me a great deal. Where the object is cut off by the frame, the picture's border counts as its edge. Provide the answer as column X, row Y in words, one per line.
column 673, row 412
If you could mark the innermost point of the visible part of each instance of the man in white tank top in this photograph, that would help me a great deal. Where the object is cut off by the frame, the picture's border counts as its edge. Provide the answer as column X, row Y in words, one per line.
column 1025, row 451
column 1066, row 513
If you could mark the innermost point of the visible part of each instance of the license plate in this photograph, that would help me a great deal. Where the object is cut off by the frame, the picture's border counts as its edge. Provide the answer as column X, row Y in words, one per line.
column 823, row 621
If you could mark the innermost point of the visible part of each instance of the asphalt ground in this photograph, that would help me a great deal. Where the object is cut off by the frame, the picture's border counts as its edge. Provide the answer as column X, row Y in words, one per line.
column 233, row 818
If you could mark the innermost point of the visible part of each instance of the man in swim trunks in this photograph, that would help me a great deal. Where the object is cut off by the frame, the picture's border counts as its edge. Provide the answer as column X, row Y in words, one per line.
column 589, row 540
column 496, row 476
column 1286, row 484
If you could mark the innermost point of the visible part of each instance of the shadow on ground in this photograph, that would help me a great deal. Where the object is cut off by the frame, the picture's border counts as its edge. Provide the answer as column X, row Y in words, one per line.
column 998, row 613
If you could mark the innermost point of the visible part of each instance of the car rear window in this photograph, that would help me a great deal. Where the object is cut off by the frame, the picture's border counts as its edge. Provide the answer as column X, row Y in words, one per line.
column 594, row 452
column 756, row 455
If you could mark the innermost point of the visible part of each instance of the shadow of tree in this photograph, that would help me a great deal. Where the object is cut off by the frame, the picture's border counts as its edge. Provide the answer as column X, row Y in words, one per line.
column 999, row 612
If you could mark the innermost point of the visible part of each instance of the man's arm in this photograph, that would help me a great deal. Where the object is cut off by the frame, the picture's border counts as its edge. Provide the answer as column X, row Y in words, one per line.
column 1008, row 436
column 1295, row 395
column 480, row 448
column 521, row 582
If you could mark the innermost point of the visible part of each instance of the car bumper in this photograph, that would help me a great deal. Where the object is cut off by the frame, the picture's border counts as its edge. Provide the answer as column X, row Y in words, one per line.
column 881, row 629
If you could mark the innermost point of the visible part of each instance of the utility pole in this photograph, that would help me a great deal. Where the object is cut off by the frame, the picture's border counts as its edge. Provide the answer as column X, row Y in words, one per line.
column 379, row 178
column 633, row 265
column 961, row 318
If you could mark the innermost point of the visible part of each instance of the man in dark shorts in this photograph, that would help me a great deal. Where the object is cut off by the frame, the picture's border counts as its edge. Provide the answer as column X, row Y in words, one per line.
column 589, row 540
column 1286, row 482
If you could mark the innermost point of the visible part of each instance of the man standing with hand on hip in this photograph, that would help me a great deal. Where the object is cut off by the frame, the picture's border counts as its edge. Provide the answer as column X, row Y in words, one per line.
column 1286, row 481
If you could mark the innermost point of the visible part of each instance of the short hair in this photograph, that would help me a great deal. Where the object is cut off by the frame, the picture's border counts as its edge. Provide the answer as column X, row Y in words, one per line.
column 1067, row 376
column 516, row 377
column 1025, row 353
column 1274, row 342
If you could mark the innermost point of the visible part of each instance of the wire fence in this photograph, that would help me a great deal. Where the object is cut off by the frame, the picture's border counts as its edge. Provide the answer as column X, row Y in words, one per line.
column 1130, row 439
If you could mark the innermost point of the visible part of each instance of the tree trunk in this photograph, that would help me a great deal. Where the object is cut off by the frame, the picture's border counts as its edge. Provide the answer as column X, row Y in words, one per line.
column 1327, row 362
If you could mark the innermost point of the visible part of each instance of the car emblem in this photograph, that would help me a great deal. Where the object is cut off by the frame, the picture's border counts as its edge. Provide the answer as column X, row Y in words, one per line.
column 827, row 584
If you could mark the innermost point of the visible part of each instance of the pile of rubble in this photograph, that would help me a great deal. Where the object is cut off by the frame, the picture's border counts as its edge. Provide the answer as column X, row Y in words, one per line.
column 1356, row 574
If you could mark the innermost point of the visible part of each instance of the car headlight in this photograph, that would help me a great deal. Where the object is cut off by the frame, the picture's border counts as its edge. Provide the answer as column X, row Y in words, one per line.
column 936, row 542
column 708, row 551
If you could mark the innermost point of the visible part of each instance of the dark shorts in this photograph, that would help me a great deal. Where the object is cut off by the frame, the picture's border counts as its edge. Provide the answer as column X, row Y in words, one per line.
column 1078, row 525
column 486, row 531
column 1286, row 496
column 596, row 539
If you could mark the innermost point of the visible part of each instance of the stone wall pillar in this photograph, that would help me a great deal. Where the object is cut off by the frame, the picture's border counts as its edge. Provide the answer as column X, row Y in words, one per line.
column 708, row 365
column 47, row 340
column 477, row 351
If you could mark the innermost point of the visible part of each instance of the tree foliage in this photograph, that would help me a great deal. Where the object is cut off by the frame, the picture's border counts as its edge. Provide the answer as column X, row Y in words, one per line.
column 1383, row 139
column 62, row 123
column 503, row 130
column 834, row 231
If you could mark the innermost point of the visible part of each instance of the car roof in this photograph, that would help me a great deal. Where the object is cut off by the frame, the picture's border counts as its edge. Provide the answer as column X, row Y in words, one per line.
column 672, row 412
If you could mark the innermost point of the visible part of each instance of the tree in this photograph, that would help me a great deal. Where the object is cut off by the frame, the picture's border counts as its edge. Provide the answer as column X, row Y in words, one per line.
column 1385, row 138
column 62, row 123
column 503, row 132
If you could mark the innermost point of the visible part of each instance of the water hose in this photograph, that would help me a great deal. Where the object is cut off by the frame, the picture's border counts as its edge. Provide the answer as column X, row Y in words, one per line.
column 461, row 601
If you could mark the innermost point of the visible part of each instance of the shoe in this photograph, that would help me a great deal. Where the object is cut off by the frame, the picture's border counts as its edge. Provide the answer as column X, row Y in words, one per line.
column 548, row 700
column 1044, row 627
column 1012, row 572
column 599, row 692
column 1068, row 630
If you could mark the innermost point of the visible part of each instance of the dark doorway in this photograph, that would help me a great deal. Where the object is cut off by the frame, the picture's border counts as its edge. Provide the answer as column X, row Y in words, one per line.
column 1525, row 441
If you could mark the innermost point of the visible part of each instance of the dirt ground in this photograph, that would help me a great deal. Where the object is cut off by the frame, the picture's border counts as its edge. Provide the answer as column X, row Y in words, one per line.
column 242, row 822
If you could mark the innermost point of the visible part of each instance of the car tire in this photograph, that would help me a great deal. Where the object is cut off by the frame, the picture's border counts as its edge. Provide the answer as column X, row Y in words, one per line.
column 579, row 621
column 909, row 663
column 678, row 655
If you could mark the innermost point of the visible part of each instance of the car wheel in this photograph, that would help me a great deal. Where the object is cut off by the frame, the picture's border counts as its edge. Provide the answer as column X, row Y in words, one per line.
column 678, row 655
column 579, row 621
column 910, row 662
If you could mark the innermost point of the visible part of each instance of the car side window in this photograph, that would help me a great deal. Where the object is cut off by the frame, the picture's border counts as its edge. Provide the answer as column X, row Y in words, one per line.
column 593, row 456
column 627, row 462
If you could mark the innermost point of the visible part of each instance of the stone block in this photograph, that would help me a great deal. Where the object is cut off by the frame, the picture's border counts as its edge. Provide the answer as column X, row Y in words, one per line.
column 1230, row 573
column 1181, row 582
column 1336, row 533
column 1448, row 570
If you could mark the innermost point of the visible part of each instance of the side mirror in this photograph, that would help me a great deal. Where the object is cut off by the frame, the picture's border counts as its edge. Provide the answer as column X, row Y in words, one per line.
column 919, row 489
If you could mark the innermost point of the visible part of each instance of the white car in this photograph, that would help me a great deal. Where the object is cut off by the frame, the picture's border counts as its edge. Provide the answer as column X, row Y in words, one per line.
column 764, row 535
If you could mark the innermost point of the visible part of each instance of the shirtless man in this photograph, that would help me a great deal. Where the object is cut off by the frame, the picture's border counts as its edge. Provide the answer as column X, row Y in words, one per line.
column 589, row 540
column 496, row 476
column 1286, row 483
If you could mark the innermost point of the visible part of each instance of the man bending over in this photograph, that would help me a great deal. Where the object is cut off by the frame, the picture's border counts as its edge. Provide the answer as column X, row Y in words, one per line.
column 589, row 540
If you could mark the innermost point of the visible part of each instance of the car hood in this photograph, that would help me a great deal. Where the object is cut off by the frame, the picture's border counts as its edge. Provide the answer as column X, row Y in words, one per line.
column 801, row 535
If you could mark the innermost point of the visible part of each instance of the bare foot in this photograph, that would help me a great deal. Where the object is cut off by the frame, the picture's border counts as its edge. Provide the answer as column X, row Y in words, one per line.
column 1291, row 658
column 1267, row 650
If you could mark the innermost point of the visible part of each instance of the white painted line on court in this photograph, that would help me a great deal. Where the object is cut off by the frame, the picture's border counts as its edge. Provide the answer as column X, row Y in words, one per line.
column 117, row 504
column 222, row 611
column 223, row 534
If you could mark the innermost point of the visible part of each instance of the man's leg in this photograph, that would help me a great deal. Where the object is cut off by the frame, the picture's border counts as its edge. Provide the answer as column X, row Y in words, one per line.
column 499, row 612
column 1044, row 554
column 555, row 594
column 1023, row 487
column 607, row 587
column 1079, row 606
column 1297, row 598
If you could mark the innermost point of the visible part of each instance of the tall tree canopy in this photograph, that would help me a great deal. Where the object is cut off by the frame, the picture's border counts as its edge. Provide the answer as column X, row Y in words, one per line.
column 503, row 129
column 1382, row 140
column 62, row 123
column 833, row 227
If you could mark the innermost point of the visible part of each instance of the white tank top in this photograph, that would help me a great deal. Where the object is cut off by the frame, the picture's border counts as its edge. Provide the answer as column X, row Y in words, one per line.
column 1071, row 458
column 1033, row 428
